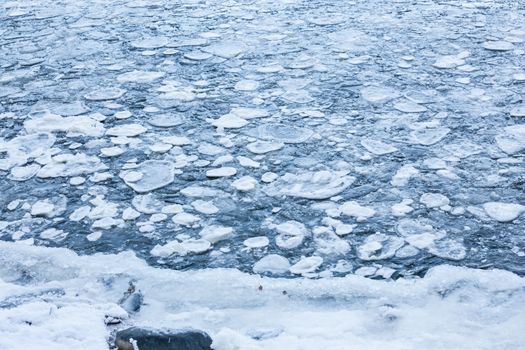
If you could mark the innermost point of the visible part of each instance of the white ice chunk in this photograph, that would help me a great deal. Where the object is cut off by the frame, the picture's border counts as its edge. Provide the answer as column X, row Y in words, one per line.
column 24, row 173
column 176, row 140
column 272, row 263
column 291, row 228
column 210, row 149
column 77, row 180
column 196, row 246
column 229, row 121
column 498, row 45
column 311, row 185
column 512, row 140
column 306, row 265
column 403, row 208
column 197, row 55
column 291, row 234
column 106, row 223
column 205, row 207
column 256, row 242
column 341, row 229
column 448, row 61
column 351, row 40
column 172, row 209
column 147, row 204
column 434, row 200
column 225, row 49
column 429, row 137
column 248, row 162
column 99, row 177
column 166, row 120
column 518, row 111
column 284, row 133
column 185, row 219
column 104, row 94
column 378, row 94
column 19, row 149
column 503, row 212
column 42, row 208
column 269, row 177
column 128, row 130
column 53, row 234
column 403, row 175
column 170, row 248
column 71, row 165
column 366, row 271
column 245, row 183
column 407, row 106
column 201, row 191
column 377, row 147
column 221, row 172
column 76, row 125
column 262, row 147
column 448, row 249
column 379, row 246
column 227, row 158
column 123, row 115
column 158, row 217
column 111, row 151
column 356, row 210
column 149, row 43
column 155, row 174
column 130, row 214
column 12, row 206
column 246, row 85
column 328, row 243
column 215, row 233
column 80, row 213
column 249, row 113
column 140, row 76
column 133, row 176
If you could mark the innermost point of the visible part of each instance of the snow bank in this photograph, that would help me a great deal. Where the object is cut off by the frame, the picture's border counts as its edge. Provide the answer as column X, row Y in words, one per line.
column 51, row 298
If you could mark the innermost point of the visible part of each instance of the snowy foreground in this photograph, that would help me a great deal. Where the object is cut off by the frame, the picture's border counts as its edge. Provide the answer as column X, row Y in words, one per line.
column 60, row 300
column 283, row 174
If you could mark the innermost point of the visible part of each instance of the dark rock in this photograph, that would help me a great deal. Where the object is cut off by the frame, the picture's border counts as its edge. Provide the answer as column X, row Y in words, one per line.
column 133, row 302
column 132, row 299
column 152, row 339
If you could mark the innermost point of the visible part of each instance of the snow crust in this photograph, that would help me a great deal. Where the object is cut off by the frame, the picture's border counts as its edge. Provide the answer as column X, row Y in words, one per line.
column 471, row 309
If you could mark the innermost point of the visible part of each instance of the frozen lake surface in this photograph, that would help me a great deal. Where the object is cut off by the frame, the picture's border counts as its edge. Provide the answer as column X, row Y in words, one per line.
column 324, row 144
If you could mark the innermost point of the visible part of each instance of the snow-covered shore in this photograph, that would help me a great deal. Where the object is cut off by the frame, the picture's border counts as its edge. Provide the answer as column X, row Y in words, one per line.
column 51, row 298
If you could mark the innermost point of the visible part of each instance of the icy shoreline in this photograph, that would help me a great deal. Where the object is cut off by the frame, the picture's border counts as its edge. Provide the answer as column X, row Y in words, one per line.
column 54, row 299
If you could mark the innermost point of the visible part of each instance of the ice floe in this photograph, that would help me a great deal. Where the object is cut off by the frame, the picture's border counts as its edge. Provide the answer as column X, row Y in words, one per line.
column 76, row 125
column 284, row 133
column 272, row 263
column 155, row 174
column 128, row 130
column 378, row 94
column 377, row 147
column 379, row 246
column 262, row 147
column 312, row 185
column 66, row 165
column 503, row 212
column 290, row 234
column 498, row 45
column 359, row 212
column 512, row 139
column 306, row 264
column 104, row 94
column 139, row 76
column 214, row 233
